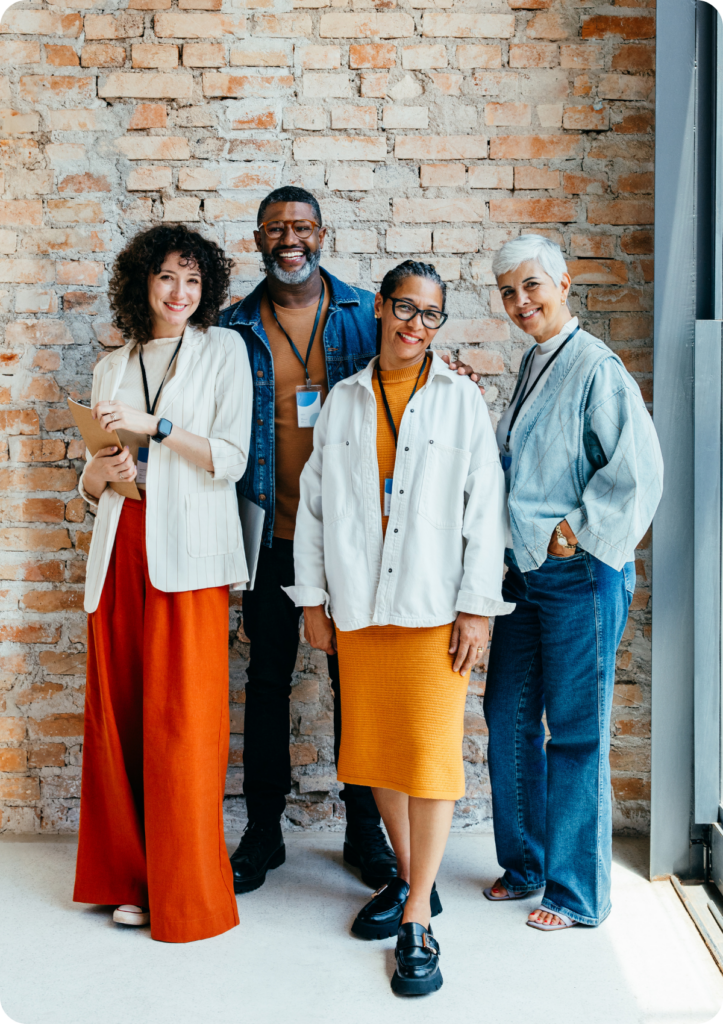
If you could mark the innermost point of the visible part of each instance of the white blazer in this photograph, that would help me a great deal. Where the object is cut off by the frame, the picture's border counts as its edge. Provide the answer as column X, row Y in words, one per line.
column 444, row 547
column 193, row 532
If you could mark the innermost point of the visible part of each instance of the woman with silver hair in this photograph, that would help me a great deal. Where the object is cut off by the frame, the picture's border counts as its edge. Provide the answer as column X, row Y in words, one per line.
column 584, row 476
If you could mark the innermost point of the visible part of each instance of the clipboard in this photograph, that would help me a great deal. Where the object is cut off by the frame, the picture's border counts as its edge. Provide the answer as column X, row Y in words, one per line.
column 96, row 438
column 252, row 530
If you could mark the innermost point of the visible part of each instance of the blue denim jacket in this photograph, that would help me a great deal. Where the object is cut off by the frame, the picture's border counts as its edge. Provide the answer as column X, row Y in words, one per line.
column 586, row 451
column 349, row 344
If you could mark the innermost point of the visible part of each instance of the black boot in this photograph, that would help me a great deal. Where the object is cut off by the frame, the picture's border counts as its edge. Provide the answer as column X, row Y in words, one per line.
column 366, row 847
column 261, row 849
column 382, row 915
column 417, row 956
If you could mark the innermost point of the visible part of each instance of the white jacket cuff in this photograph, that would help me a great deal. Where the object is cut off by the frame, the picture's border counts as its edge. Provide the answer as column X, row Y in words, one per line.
column 228, row 461
column 477, row 604
column 93, row 502
column 308, row 597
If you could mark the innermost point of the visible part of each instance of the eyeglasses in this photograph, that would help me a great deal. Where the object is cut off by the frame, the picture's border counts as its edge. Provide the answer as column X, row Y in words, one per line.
column 431, row 318
column 276, row 228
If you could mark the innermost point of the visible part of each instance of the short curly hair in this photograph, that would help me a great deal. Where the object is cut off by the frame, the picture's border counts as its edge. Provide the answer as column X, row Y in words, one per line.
column 145, row 253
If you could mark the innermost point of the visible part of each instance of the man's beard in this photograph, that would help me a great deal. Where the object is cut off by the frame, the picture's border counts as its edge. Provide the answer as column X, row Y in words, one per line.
column 292, row 276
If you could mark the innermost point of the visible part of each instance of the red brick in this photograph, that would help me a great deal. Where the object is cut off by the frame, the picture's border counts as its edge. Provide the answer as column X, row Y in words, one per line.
column 586, row 118
column 80, row 272
column 601, row 25
column 65, row 725
column 535, row 147
column 632, row 727
column 33, row 510
column 504, row 114
column 17, row 663
column 637, row 243
column 21, row 212
column 438, row 147
column 630, row 328
column 153, row 55
column 583, row 184
column 631, row 789
column 643, row 181
column 483, row 361
column 597, row 272
column 638, row 360
column 38, row 332
column 441, row 175
column 109, row 26
column 52, row 88
column 533, row 55
column 243, row 86
column 82, row 302
column 626, row 300
column 38, row 451
column 548, row 25
column 480, row 56
column 634, row 57
column 58, row 663
column 61, row 56
column 620, row 211
column 198, row 26
column 19, row 421
column 635, row 124
column 154, row 147
column 15, row 52
column 47, row 755
column 469, row 25
column 53, row 600
column 373, row 55
column 581, row 56
column 42, row 23
column 84, row 183
column 13, row 759
column 532, row 211
column 82, row 541
column 29, row 633
column 33, row 572
column 204, row 55
column 152, row 86
column 12, row 730
column 148, row 115
column 40, row 691
column 23, row 789
column 59, row 419
column 21, row 539
column 75, row 509
column 103, row 55
column 38, row 479
column 592, row 245
column 303, row 753
column 536, row 177
column 374, row 84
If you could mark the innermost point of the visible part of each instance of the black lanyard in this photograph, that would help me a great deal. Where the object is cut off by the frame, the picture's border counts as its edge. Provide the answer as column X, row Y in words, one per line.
column 304, row 362
column 525, row 392
column 150, row 409
column 384, row 394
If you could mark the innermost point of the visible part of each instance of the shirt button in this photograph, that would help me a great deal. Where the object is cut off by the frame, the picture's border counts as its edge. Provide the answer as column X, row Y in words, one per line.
column 390, row 570
column 262, row 497
column 259, row 373
column 411, row 410
column 401, row 492
column 262, row 462
column 431, row 442
column 396, row 531
column 406, row 449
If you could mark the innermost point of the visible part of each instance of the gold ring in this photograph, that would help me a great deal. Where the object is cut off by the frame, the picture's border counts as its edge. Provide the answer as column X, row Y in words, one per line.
column 480, row 648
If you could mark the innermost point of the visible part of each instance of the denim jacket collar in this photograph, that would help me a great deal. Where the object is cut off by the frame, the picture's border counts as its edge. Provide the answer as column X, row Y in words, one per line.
column 248, row 313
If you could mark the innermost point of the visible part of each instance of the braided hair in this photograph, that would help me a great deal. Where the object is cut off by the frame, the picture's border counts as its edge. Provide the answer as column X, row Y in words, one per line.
column 394, row 277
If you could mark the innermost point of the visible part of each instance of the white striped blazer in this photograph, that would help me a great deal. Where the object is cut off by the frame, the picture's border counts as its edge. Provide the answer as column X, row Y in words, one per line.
column 193, row 532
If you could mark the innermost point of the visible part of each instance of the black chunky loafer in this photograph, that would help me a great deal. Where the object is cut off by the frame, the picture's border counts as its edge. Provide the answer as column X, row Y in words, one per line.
column 366, row 848
column 382, row 915
column 417, row 954
column 261, row 849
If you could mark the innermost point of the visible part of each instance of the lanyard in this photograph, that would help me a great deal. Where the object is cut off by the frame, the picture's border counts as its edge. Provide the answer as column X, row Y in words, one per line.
column 525, row 392
column 384, row 394
column 150, row 409
column 304, row 362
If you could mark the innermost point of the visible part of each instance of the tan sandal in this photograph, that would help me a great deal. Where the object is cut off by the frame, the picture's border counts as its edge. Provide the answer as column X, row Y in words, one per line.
column 128, row 914
column 566, row 922
column 499, row 884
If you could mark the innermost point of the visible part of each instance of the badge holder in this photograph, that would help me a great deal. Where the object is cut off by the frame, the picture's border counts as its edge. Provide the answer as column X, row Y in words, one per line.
column 388, row 482
column 308, row 404
column 142, row 466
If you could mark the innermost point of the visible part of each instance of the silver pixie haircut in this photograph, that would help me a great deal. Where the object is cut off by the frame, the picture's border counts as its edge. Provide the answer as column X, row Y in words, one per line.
column 530, row 247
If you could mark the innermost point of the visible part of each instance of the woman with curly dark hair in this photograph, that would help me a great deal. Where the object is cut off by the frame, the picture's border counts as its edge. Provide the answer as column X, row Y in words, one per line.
column 179, row 395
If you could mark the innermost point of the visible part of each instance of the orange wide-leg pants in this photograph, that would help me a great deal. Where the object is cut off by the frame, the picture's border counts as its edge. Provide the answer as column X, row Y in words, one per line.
column 156, row 749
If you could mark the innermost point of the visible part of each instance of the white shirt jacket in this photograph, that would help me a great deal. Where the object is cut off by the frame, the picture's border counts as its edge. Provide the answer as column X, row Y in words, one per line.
column 193, row 532
column 444, row 546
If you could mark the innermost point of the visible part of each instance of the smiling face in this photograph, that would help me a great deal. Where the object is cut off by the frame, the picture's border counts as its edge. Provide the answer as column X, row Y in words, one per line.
column 290, row 259
column 404, row 342
column 534, row 302
column 173, row 295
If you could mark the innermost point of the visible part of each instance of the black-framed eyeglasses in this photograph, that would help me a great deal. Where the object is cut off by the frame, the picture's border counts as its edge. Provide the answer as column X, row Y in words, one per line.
column 301, row 228
column 405, row 310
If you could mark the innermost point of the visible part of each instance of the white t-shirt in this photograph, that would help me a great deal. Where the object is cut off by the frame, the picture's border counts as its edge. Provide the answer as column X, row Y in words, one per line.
column 539, row 361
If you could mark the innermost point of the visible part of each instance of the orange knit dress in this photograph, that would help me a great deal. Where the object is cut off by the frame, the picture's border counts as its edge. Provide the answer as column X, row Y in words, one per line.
column 402, row 705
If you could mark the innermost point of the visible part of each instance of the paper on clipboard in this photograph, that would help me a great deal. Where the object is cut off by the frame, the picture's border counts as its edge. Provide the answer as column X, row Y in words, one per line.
column 96, row 438
column 252, row 530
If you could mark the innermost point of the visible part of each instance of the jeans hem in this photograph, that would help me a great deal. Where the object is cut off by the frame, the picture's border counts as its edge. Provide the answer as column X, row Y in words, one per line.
column 518, row 890
column 592, row 922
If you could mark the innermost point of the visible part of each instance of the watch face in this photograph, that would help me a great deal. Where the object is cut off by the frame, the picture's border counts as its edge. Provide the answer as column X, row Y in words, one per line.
column 164, row 426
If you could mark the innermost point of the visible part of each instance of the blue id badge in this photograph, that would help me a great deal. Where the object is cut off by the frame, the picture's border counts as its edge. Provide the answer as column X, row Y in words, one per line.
column 388, row 495
column 142, row 465
column 308, row 404
column 506, row 462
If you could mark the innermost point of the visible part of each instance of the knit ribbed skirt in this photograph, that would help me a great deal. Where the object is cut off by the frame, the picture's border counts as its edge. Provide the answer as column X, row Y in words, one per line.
column 402, row 711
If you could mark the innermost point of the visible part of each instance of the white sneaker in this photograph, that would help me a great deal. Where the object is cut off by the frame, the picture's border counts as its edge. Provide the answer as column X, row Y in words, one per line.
column 128, row 914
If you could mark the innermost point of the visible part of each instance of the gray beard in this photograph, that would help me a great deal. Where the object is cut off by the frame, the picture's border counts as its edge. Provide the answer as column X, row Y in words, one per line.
column 292, row 276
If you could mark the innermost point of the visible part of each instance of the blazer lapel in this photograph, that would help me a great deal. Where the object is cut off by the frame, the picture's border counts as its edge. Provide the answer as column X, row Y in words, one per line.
column 114, row 375
column 188, row 355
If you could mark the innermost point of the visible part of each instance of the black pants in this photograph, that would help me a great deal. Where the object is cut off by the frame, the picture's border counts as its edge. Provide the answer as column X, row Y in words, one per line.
column 271, row 623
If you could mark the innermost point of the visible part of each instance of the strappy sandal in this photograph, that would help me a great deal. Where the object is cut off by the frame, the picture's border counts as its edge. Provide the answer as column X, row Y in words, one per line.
column 567, row 922
column 487, row 893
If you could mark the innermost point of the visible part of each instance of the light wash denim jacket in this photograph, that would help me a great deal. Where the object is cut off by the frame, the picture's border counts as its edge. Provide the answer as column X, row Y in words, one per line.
column 585, row 451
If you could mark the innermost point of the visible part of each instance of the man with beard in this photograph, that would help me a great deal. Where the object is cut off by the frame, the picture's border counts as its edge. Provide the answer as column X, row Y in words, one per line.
column 305, row 330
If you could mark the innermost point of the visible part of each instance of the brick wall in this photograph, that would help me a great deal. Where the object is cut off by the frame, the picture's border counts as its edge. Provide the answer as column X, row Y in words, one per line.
column 434, row 131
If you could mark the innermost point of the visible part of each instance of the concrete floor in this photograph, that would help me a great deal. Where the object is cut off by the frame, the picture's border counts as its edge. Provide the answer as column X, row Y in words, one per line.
column 293, row 959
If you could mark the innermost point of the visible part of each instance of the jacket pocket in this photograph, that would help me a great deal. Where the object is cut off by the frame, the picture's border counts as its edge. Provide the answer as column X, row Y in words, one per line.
column 441, row 501
column 336, row 496
column 212, row 523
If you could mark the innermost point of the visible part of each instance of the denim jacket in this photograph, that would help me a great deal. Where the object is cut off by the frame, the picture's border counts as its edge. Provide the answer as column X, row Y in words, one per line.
column 585, row 451
column 349, row 344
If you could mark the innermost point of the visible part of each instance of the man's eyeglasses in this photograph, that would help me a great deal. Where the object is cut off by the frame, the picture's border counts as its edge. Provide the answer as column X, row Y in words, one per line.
column 276, row 228
column 431, row 318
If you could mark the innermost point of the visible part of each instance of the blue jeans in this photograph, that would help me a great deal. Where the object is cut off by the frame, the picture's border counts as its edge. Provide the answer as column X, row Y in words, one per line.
column 551, row 803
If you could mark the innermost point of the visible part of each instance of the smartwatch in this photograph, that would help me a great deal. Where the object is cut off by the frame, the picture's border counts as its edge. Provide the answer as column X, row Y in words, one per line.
column 164, row 429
